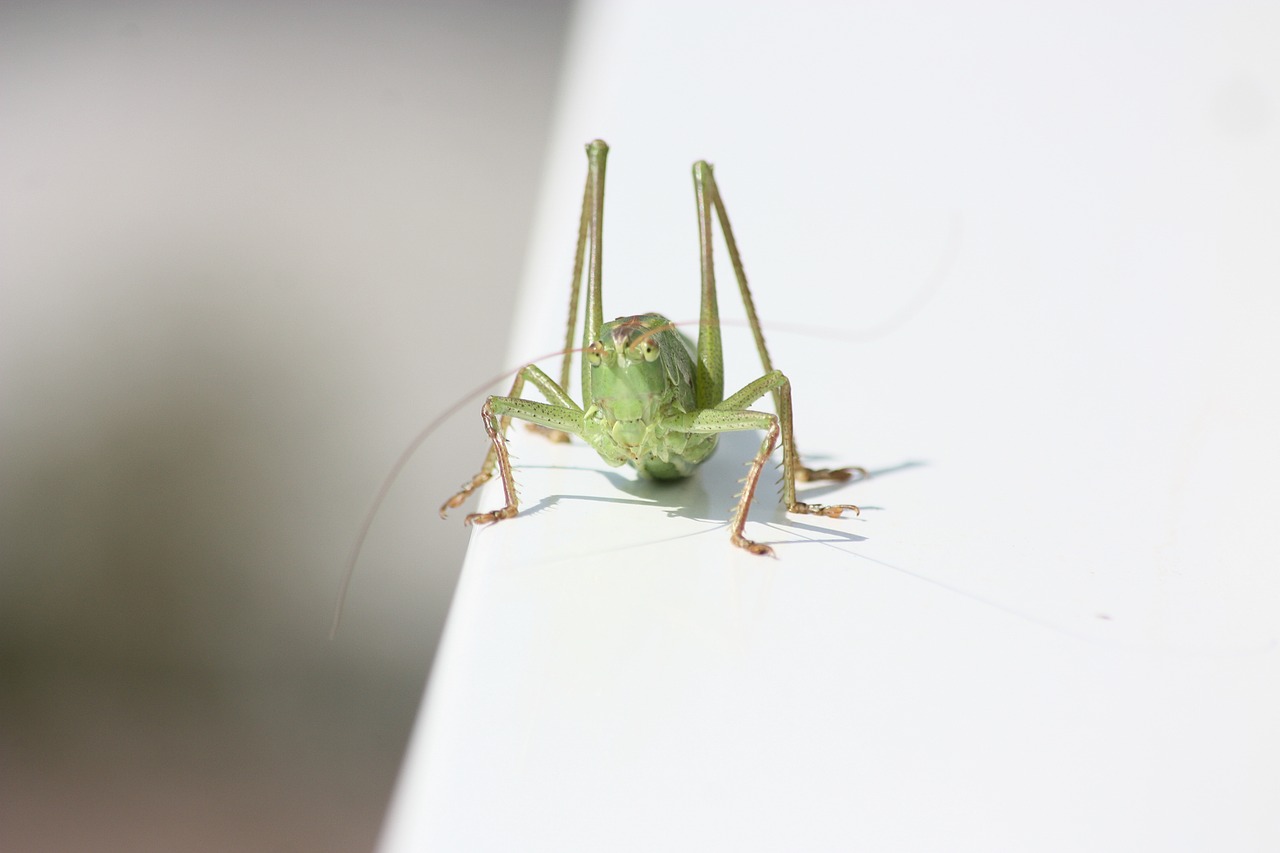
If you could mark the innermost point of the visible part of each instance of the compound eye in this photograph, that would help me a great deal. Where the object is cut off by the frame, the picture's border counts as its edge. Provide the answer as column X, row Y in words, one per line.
column 649, row 349
column 595, row 354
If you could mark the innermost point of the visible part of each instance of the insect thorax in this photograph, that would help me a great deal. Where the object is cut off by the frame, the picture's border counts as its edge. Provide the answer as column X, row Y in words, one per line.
column 642, row 387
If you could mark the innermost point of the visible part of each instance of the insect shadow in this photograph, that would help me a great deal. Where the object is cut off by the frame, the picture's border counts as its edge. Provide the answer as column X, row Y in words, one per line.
column 703, row 499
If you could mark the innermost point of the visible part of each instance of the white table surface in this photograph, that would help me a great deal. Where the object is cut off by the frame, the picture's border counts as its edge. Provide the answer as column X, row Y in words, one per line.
column 1049, row 241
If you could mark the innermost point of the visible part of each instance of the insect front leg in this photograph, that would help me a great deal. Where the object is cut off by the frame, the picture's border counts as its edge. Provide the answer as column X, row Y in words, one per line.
column 730, row 420
column 733, row 415
column 527, row 410
column 498, row 411
column 780, row 386
column 549, row 388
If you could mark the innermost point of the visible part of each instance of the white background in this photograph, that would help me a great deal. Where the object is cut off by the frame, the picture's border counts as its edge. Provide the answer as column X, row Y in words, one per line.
column 1046, row 239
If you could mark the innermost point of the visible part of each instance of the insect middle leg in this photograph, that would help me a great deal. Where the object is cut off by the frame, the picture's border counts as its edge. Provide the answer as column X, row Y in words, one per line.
column 732, row 416
column 562, row 414
column 776, row 382
column 568, row 413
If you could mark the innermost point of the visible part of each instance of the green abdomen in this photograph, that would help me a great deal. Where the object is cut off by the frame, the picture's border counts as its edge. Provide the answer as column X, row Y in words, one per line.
column 678, row 463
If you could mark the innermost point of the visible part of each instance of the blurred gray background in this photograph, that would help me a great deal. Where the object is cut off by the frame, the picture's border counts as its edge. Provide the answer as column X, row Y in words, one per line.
column 246, row 252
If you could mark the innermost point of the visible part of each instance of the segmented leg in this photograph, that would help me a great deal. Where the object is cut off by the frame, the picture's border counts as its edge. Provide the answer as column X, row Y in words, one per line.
column 777, row 383
column 503, row 459
column 550, row 389
column 724, row 419
column 708, row 199
column 732, row 415
column 792, row 470
column 499, row 452
column 589, row 249
column 555, row 435
column 739, row 520
column 500, row 410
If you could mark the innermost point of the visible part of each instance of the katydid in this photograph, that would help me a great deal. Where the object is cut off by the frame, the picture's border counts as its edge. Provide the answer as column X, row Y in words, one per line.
column 651, row 400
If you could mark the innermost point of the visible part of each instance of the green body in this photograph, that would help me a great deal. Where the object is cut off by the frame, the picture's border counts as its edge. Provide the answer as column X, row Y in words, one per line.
column 652, row 400
column 639, row 402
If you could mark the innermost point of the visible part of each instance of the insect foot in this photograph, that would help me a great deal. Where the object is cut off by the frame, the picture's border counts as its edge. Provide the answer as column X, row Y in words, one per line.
column 491, row 517
column 753, row 547
column 460, row 498
column 833, row 511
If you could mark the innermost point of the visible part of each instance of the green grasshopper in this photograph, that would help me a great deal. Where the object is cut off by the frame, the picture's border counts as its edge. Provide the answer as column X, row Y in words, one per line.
column 652, row 401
